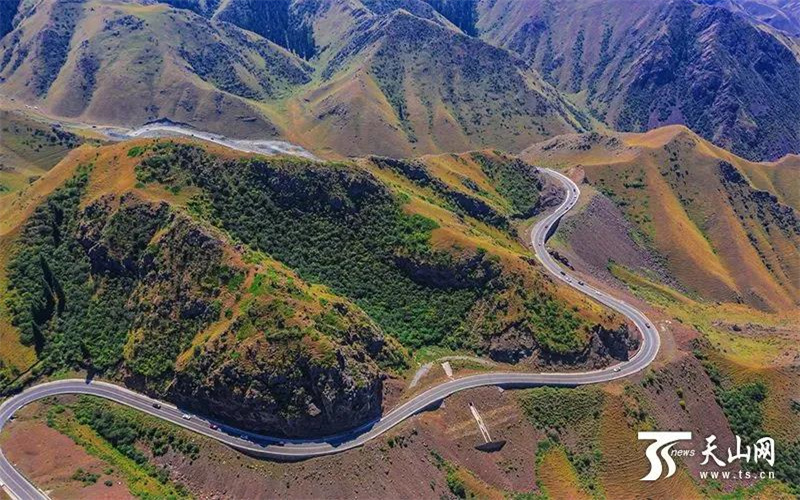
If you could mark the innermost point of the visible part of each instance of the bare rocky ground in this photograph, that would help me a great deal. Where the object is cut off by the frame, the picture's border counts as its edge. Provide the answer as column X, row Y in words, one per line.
column 610, row 238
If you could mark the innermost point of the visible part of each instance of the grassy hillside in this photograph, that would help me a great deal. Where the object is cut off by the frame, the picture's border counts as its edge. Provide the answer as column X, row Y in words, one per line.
column 711, row 216
column 709, row 241
column 403, row 85
column 126, row 63
column 390, row 78
column 218, row 280
column 130, row 285
column 28, row 149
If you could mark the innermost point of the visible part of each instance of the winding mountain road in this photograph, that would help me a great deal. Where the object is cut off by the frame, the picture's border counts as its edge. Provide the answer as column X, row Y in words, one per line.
column 295, row 449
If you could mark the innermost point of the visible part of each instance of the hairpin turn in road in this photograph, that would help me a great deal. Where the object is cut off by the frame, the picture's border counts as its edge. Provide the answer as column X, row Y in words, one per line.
column 295, row 449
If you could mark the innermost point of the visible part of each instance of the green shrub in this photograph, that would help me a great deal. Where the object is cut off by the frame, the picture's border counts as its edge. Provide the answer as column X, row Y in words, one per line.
column 85, row 477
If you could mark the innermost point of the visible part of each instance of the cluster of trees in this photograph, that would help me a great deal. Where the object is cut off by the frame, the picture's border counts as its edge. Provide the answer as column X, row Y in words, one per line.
column 81, row 280
column 515, row 180
column 339, row 226
column 69, row 317
column 556, row 328
column 743, row 407
column 334, row 225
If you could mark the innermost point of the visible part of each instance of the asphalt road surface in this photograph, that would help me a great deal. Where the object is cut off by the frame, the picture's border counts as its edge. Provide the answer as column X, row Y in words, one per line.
column 296, row 449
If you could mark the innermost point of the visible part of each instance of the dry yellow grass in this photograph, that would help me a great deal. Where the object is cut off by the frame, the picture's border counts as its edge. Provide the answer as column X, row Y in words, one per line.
column 669, row 183
column 15, row 209
column 684, row 244
column 557, row 477
column 623, row 463
column 370, row 119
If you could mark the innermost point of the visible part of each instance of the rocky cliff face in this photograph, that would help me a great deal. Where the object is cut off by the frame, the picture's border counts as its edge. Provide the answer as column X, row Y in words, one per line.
column 282, row 381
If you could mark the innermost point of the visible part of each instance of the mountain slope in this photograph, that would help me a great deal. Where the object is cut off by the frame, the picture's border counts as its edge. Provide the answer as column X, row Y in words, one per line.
column 270, row 291
column 726, row 229
column 638, row 65
column 398, row 78
column 783, row 15
column 126, row 64
column 405, row 85
column 28, row 149
column 381, row 77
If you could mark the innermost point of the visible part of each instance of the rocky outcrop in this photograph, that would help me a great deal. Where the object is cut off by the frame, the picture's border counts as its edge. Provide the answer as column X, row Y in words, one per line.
column 470, row 270
column 551, row 196
column 518, row 343
column 517, row 323
column 606, row 346
column 114, row 238
column 289, row 386
column 615, row 343
column 512, row 345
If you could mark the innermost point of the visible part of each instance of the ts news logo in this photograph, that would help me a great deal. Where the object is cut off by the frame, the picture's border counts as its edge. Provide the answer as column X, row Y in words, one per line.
column 660, row 453
column 661, row 447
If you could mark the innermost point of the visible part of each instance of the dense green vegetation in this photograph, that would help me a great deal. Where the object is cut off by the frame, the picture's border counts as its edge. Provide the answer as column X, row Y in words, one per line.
column 742, row 405
column 336, row 226
column 339, row 226
column 515, row 180
column 125, row 279
column 70, row 318
column 74, row 275
column 277, row 21
column 554, row 325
